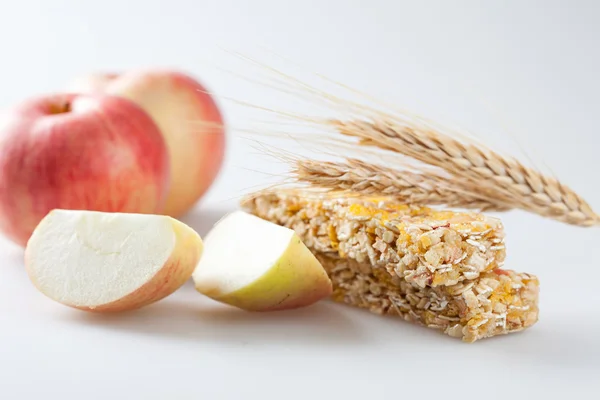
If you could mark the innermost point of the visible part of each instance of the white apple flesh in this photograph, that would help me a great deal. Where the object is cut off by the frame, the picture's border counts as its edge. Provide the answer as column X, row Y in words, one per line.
column 109, row 262
column 256, row 265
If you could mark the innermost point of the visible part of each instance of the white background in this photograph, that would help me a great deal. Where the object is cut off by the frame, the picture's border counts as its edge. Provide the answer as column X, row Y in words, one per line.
column 521, row 74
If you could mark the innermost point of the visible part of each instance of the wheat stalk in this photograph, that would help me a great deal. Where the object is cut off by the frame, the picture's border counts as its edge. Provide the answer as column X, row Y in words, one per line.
column 512, row 184
column 500, row 180
column 358, row 177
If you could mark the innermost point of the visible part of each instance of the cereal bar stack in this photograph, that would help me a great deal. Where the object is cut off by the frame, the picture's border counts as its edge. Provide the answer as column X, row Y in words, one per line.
column 440, row 269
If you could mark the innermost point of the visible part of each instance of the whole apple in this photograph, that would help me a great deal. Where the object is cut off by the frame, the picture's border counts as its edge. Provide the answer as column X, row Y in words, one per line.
column 188, row 118
column 78, row 152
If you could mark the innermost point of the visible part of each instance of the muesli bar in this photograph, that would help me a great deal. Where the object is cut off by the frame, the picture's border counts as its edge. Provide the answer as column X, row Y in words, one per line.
column 426, row 247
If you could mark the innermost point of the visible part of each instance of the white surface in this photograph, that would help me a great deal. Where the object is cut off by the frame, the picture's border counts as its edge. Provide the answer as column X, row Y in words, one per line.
column 513, row 71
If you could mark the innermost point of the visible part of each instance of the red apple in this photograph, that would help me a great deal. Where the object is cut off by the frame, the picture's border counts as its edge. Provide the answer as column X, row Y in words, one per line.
column 78, row 152
column 188, row 118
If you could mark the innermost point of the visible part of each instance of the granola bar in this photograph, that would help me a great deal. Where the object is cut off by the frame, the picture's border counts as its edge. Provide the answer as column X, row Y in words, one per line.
column 498, row 302
column 425, row 247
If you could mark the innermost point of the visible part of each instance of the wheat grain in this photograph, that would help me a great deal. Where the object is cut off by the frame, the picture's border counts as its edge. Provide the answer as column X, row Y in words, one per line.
column 512, row 184
column 357, row 177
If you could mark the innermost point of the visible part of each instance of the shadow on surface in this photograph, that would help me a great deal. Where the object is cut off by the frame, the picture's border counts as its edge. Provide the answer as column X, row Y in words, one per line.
column 320, row 324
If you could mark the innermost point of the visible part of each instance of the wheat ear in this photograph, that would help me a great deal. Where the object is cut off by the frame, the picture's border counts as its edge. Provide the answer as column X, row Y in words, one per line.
column 504, row 179
column 358, row 177
column 511, row 183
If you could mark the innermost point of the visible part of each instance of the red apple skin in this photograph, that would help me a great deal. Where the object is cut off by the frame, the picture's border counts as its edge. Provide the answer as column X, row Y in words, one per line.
column 188, row 118
column 92, row 152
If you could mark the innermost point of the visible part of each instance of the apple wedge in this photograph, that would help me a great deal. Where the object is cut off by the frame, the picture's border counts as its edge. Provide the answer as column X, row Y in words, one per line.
column 256, row 265
column 108, row 262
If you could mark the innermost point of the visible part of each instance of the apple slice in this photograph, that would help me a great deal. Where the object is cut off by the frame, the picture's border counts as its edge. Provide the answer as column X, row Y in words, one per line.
column 256, row 265
column 107, row 262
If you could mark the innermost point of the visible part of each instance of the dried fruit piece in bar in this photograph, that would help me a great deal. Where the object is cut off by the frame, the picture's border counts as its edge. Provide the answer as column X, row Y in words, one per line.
column 426, row 247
